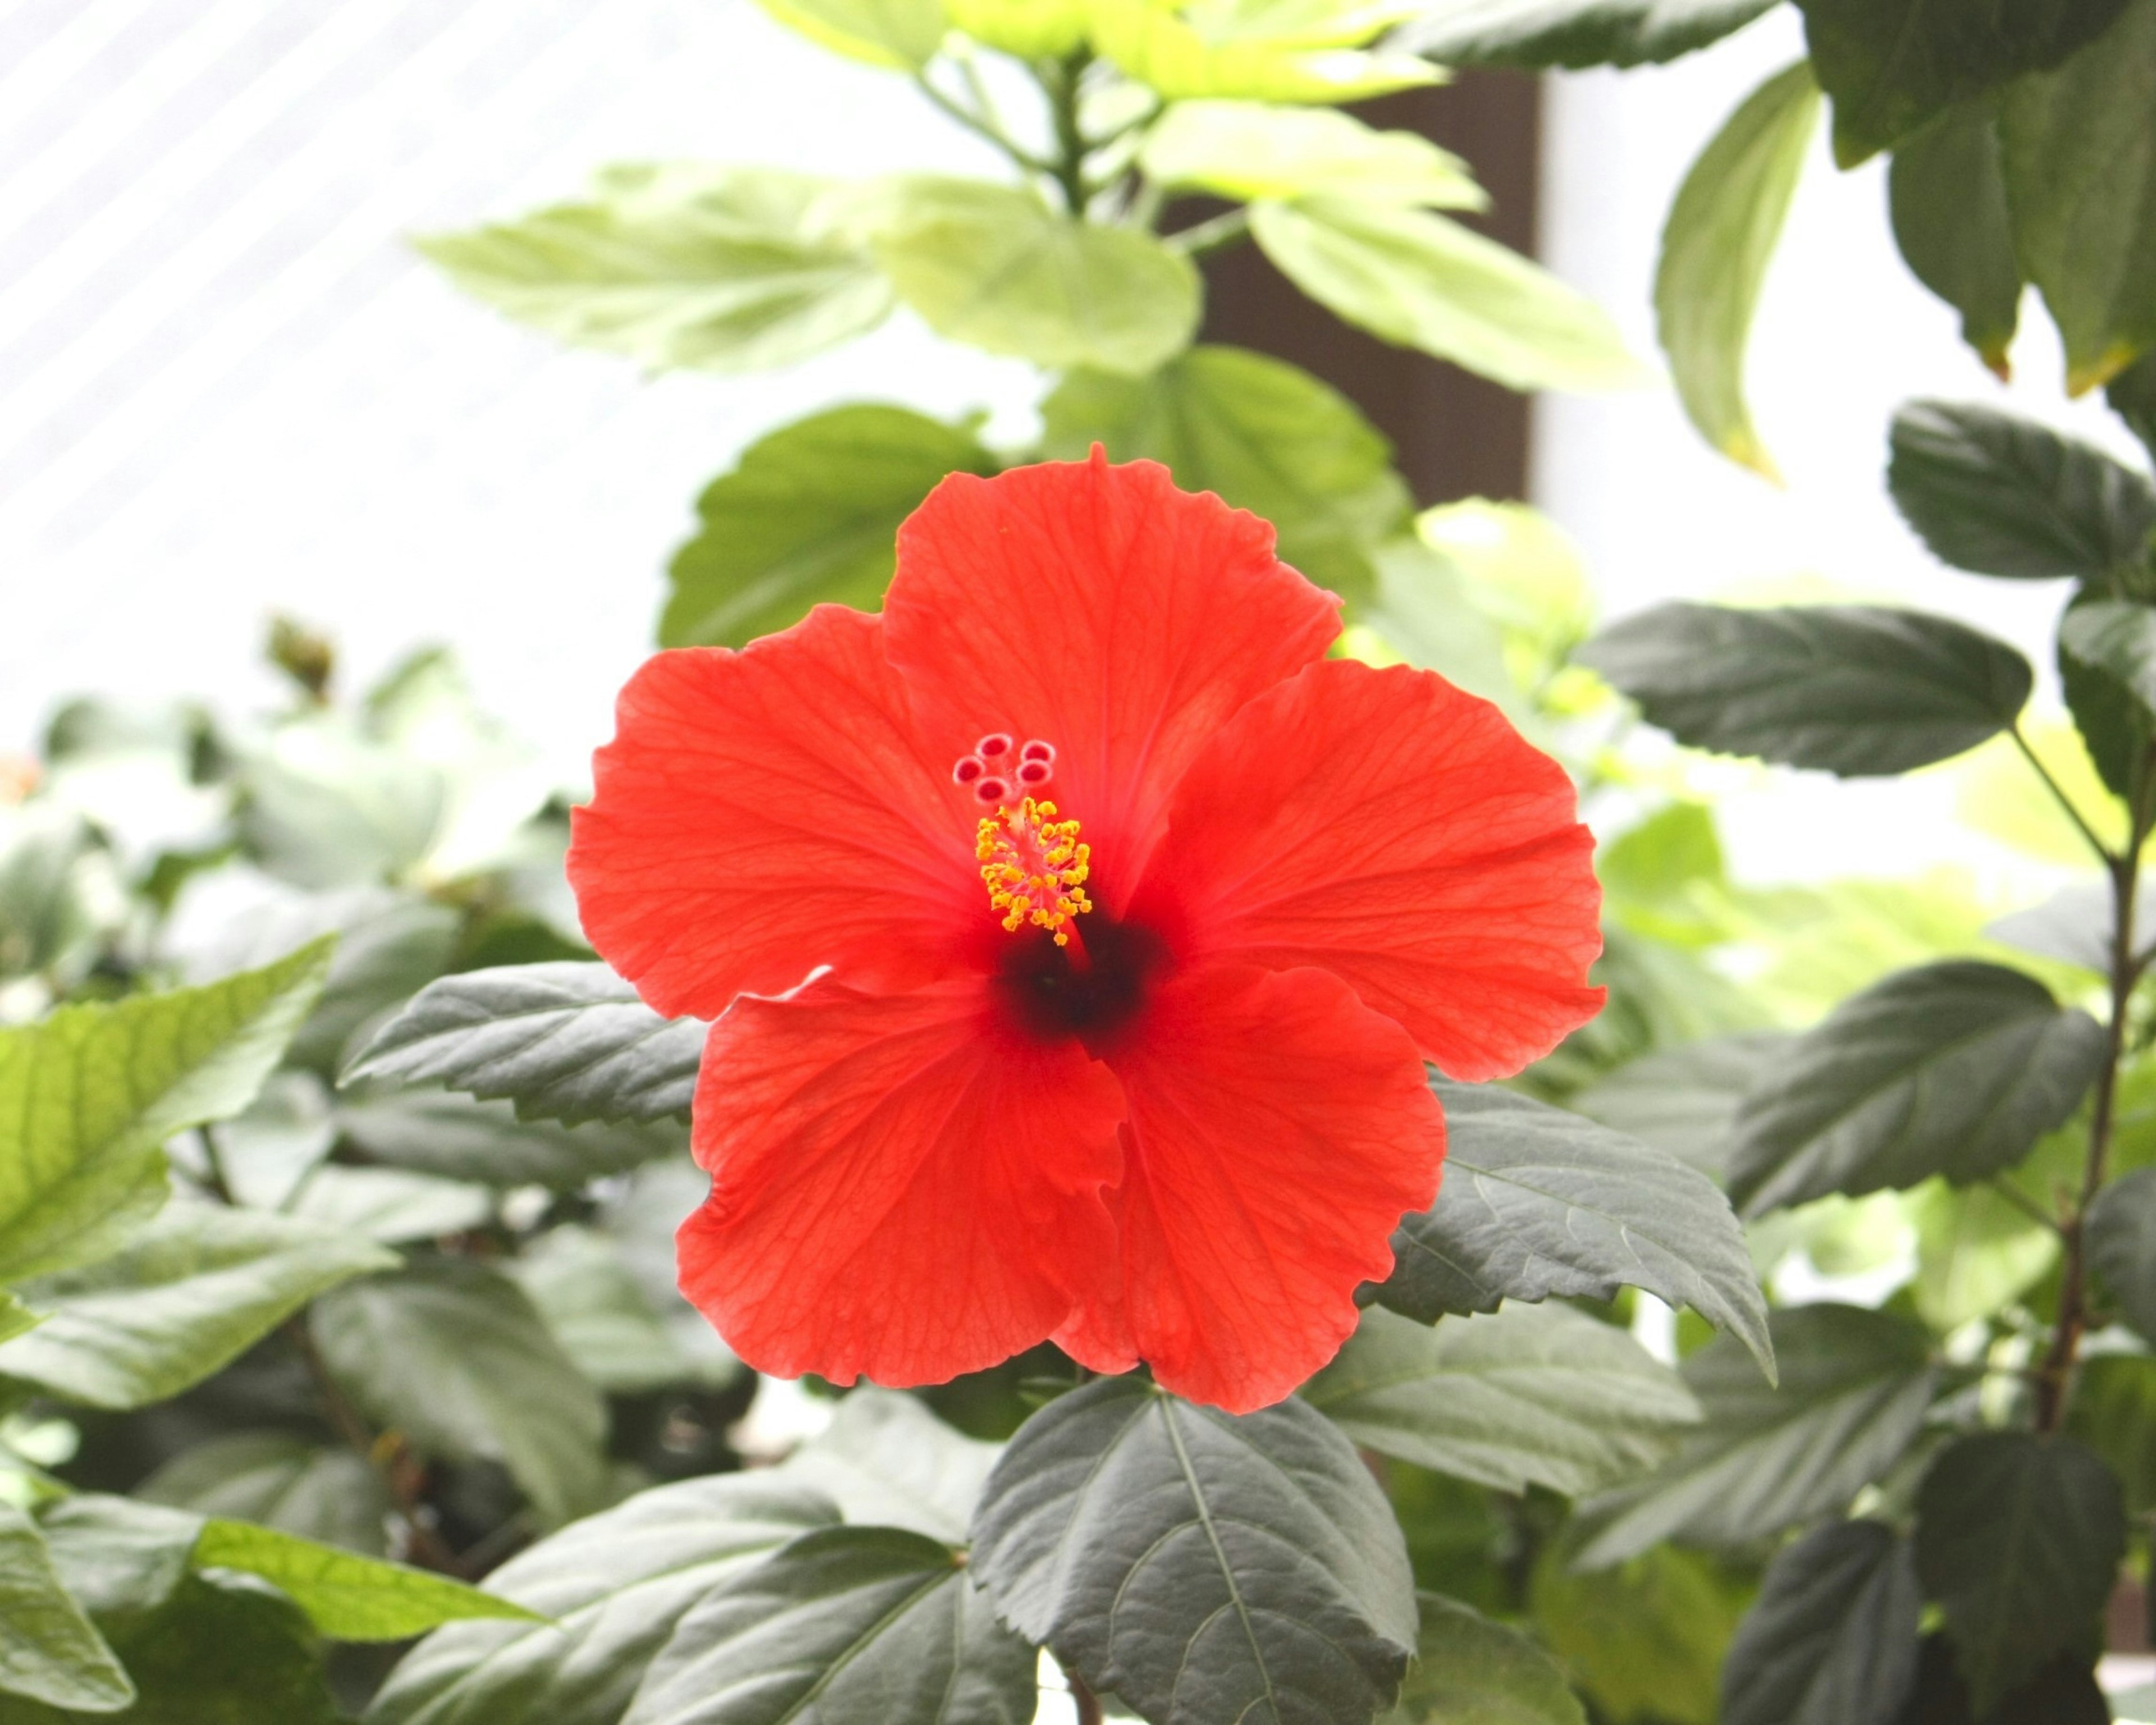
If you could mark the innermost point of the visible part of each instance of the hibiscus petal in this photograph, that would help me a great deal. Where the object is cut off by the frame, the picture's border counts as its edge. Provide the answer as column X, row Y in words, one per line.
column 1099, row 609
column 903, row 1186
column 762, row 813
column 1279, row 1130
column 1386, row 827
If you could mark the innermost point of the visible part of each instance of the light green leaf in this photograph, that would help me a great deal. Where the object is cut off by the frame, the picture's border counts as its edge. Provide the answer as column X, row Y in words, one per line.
column 1855, row 1387
column 726, row 270
column 1469, row 1671
column 49, row 1651
column 994, row 267
column 454, row 1355
column 392, row 1204
column 1644, row 1641
column 1532, row 1395
column 808, row 515
column 1424, row 611
column 1720, row 237
column 349, row 1598
column 1947, row 194
column 1185, row 62
column 1030, row 29
column 89, row 1096
column 457, row 1137
column 592, row 1303
column 1976, row 1252
column 16, row 1318
column 1833, row 1637
column 1251, row 150
column 276, row 1479
column 613, row 1587
column 181, row 1301
column 887, row 1460
column 848, row 1626
column 1265, row 435
column 2080, row 180
column 903, row 35
column 1422, row 280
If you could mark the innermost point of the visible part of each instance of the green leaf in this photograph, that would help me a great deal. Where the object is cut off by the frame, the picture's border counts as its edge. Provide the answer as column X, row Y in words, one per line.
column 184, row 1298
column 459, row 1138
column 349, row 1598
column 992, row 266
column 1955, row 1068
column 1892, row 65
column 849, row 1625
column 903, row 35
column 1998, row 494
column 2018, row 1539
column 1029, row 29
column 1251, row 150
column 2081, row 179
column 2112, row 1409
column 1833, row 1637
column 16, row 1318
column 1538, row 1202
column 390, row 1205
column 453, row 1355
column 121, row 1559
column 1575, row 33
column 2117, row 637
column 1422, row 280
column 1976, row 1252
column 1429, row 609
column 2121, row 1237
column 1469, row 1671
column 1859, row 691
column 886, row 1460
column 613, row 1587
column 577, row 1281
column 277, row 1481
column 2075, row 926
column 1717, row 244
column 49, row 1651
column 718, row 269
column 1644, row 1641
column 1265, row 435
column 1683, row 1100
column 2132, row 395
column 1947, row 194
column 2113, row 725
column 89, row 1096
column 1202, row 1566
column 563, row 1041
column 1182, row 62
column 1854, row 1390
column 808, row 515
column 1534, row 1395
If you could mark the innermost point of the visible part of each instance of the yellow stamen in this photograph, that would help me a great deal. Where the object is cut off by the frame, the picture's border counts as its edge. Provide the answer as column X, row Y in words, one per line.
column 1034, row 868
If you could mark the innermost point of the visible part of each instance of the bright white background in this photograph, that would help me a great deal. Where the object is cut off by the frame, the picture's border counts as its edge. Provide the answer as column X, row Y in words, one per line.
column 227, row 387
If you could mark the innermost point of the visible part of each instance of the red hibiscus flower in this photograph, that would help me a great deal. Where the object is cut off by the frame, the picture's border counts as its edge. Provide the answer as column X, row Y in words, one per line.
column 1075, row 932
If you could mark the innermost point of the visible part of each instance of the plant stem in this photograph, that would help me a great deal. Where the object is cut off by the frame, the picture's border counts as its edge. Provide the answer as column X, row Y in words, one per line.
column 1211, row 235
column 2027, row 1205
column 1061, row 83
column 2059, row 794
column 983, row 127
column 214, row 1166
column 1087, row 1703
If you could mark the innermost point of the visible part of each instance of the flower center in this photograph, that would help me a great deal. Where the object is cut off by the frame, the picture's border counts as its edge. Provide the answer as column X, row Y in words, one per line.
column 1034, row 865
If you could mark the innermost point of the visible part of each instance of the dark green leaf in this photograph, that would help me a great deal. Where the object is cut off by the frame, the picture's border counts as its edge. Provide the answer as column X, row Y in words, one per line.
column 1833, row 1637
column 1891, row 65
column 453, row 1354
column 1998, row 495
column 1683, row 1100
column 1946, row 195
column 2132, row 395
column 460, row 1138
column 2112, row 1409
column 1956, row 1069
column 567, row 1042
column 808, row 515
column 89, row 1096
column 1423, row 280
column 1855, row 1387
column 2018, row 1538
column 848, row 1626
column 350, row 1598
column 1534, row 1395
column 1265, row 435
column 182, row 1299
column 2117, row 637
column 1469, row 1671
column 279, row 1481
column 2114, row 728
column 2121, row 1237
column 583, row 1288
column 615, row 1586
column 887, row 1460
column 2081, row 179
column 1717, row 244
column 1859, row 690
column 992, row 266
column 1204, row 1567
column 1573, row 33
column 49, row 1651
column 721, row 268
column 1538, row 1202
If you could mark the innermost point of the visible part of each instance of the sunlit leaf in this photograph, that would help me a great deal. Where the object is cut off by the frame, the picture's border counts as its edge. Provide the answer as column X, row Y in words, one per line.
column 1183, row 62
column 1031, row 29
column 1252, row 150
column 50, row 1651
column 900, row 33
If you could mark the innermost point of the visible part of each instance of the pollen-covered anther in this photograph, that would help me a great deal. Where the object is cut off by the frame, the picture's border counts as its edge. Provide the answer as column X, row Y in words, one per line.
column 1035, row 867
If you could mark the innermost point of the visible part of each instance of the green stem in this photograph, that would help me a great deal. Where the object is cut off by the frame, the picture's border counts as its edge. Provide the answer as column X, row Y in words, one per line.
column 983, row 127
column 2059, row 794
column 1211, row 236
column 1060, row 82
column 2027, row 1205
column 213, row 1167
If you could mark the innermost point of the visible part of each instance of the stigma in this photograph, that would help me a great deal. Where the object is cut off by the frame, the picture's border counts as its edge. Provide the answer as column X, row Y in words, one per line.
column 1035, row 867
